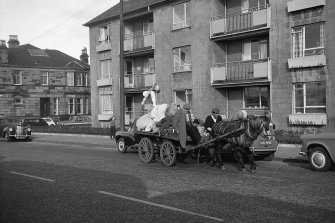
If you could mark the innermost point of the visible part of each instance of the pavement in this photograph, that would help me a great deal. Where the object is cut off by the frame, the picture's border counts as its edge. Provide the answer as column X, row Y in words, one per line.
column 284, row 151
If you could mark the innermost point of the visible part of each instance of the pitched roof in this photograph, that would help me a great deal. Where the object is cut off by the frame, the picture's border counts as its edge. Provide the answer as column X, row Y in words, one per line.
column 30, row 56
column 128, row 7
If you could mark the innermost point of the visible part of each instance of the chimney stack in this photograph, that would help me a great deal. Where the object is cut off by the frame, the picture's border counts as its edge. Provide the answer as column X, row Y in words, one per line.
column 13, row 41
column 3, row 52
column 84, row 55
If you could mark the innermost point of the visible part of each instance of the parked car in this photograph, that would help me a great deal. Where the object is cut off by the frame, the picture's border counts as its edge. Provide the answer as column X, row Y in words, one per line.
column 50, row 121
column 13, row 128
column 320, row 150
column 35, row 122
column 82, row 120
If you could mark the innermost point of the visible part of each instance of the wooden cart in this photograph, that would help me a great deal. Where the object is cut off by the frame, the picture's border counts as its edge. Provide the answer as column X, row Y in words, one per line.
column 168, row 146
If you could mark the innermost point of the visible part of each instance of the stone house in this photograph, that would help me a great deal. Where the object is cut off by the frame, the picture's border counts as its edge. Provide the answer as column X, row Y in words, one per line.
column 36, row 82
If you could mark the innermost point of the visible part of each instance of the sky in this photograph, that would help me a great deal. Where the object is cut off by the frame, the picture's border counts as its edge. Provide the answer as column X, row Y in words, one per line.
column 51, row 24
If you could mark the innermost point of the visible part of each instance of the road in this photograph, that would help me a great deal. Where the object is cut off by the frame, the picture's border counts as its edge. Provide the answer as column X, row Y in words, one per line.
column 85, row 179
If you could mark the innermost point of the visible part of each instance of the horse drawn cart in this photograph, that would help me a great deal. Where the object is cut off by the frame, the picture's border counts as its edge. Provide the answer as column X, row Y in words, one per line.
column 168, row 148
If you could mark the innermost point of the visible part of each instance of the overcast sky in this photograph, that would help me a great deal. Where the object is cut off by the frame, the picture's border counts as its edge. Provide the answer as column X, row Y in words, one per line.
column 51, row 24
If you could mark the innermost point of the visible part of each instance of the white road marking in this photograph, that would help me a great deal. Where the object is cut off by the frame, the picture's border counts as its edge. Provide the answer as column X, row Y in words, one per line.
column 31, row 176
column 160, row 205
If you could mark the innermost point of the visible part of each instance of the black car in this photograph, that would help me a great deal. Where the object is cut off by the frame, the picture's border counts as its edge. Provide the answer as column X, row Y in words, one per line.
column 35, row 122
column 13, row 128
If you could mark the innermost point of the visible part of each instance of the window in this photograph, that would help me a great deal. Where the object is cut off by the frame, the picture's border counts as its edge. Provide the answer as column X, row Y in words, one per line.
column 85, row 79
column 17, row 77
column 105, row 69
column 104, row 34
column 309, row 98
column 70, row 79
column 255, row 49
column 44, row 78
column 79, row 106
column 56, row 106
column 149, row 65
column 182, row 59
column 79, row 79
column 181, row 15
column 148, row 25
column 254, row 5
column 18, row 100
column 308, row 40
column 183, row 96
column 106, row 104
column 256, row 97
column 71, row 106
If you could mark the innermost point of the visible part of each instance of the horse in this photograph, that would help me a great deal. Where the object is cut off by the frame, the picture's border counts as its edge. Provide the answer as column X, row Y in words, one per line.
column 241, row 143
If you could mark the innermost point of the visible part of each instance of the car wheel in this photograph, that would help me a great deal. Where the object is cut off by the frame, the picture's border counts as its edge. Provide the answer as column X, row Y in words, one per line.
column 8, row 138
column 319, row 159
column 121, row 145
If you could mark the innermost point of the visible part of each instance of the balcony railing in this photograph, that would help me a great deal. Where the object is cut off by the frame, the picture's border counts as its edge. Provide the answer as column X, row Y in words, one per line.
column 139, row 80
column 241, row 21
column 139, row 42
column 240, row 71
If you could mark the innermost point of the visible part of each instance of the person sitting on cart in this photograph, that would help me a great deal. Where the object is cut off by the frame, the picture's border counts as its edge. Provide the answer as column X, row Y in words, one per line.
column 209, row 122
column 183, row 126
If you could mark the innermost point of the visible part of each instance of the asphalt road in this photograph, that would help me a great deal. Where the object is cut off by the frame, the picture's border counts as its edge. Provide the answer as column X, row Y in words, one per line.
column 85, row 179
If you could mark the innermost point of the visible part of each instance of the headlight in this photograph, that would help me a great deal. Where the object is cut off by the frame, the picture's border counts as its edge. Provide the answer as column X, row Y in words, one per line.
column 28, row 129
column 10, row 129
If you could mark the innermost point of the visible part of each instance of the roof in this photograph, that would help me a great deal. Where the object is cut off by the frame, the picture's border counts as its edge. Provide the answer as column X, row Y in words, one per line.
column 31, row 56
column 129, row 6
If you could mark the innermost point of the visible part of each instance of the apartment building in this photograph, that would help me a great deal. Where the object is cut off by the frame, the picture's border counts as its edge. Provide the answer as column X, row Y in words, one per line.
column 263, row 56
column 36, row 82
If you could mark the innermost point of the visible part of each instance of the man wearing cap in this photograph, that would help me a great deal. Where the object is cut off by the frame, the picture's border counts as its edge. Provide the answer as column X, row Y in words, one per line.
column 209, row 122
column 183, row 125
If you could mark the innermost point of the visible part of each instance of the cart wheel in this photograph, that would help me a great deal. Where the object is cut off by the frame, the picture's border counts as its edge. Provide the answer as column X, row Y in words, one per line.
column 168, row 153
column 146, row 150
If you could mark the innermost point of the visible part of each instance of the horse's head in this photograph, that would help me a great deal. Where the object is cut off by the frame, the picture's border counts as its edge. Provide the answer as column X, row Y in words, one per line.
column 259, row 125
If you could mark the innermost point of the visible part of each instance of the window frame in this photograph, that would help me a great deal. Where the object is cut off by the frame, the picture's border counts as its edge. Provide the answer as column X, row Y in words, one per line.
column 104, row 34
column 304, row 107
column 79, row 106
column 70, row 79
column 104, row 75
column 177, row 58
column 296, row 52
column 106, row 108
column 17, row 81
column 188, row 97
column 259, row 106
column 71, row 106
column 185, row 22
column 79, row 79
column 45, row 76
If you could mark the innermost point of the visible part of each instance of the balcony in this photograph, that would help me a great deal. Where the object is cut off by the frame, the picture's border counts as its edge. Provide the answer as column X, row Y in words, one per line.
column 296, row 5
column 138, row 81
column 103, row 46
column 104, row 82
column 254, row 20
column 241, row 72
column 140, row 42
